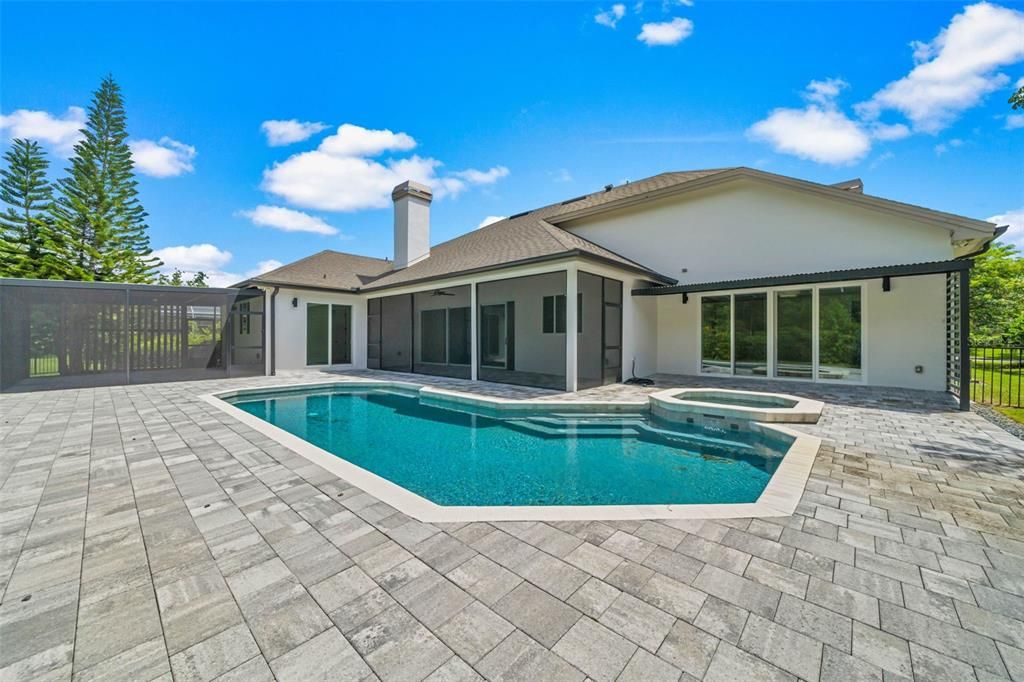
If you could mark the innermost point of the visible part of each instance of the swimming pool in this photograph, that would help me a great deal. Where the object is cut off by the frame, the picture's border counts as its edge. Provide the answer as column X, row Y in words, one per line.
column 455, row 457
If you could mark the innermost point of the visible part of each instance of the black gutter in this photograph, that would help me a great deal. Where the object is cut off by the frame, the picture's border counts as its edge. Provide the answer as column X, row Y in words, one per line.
column 940, row 267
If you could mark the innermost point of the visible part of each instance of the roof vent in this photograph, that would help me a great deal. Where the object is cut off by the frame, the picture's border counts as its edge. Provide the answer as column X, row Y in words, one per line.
column 855, row 185
column 608, row 187
column 517, row 215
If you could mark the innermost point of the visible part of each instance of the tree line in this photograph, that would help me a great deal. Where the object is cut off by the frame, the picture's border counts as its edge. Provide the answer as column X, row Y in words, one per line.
column 89, row 225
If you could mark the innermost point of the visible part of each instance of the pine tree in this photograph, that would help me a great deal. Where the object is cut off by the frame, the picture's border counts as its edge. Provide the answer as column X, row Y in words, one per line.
column 98, row 214
column 26, row 231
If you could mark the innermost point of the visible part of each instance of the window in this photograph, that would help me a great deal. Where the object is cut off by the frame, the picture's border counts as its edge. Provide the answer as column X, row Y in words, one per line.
column 554, row 315
column 839, row 334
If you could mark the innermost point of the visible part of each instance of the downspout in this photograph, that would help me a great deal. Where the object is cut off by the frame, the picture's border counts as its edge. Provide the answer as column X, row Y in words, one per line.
column 273, row 329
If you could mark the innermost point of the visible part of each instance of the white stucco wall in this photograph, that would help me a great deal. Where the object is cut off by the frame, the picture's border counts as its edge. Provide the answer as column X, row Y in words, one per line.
column 749, row 229
column 290, row 328
column 903, row 328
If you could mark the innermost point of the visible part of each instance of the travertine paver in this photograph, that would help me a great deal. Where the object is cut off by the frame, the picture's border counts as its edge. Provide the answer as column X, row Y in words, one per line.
column 144, row 536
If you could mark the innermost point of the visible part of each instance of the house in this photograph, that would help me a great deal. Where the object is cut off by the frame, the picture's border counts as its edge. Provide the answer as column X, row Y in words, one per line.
column 730, row 271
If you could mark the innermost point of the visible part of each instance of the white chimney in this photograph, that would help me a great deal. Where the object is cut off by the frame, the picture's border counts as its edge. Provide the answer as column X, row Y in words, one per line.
column 412, row 222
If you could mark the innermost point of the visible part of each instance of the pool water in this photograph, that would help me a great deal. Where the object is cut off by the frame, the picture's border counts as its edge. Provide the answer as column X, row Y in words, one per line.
column 457, row 458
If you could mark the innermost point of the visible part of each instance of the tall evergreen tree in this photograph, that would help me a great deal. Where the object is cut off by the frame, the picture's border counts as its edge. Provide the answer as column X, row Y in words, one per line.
column 26, row 231
column 98, row 214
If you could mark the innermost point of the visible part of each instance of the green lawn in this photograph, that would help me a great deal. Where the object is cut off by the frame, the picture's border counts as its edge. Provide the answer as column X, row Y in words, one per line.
column 1001, row 389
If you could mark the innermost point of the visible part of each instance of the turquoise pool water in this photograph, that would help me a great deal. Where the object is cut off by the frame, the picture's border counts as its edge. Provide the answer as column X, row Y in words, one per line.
column 456, row 458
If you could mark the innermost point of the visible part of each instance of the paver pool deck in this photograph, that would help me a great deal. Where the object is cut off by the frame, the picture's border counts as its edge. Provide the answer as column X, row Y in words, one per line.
column 145, row 536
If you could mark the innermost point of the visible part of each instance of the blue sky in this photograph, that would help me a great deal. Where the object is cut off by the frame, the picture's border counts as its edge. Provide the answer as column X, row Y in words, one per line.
column 507, row 106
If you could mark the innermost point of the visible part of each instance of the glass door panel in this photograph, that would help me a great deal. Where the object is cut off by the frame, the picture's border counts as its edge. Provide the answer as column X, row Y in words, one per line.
column 317, row 315
column 341, row 334
column 794, row 328
column 715, row 345
column 432, row 326
column 750, row 326
column 839, row 334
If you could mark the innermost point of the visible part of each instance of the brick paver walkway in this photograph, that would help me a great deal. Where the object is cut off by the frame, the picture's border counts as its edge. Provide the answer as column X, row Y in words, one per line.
column 145, row 536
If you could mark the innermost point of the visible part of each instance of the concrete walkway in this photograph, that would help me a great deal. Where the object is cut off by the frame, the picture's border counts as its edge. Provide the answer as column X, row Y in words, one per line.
column 144, row 536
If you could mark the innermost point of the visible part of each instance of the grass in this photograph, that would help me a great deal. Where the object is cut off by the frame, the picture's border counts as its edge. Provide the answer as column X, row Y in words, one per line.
column 1000, row 388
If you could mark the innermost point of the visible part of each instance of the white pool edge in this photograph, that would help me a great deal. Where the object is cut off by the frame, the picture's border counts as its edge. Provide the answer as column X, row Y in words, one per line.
column 779, row 498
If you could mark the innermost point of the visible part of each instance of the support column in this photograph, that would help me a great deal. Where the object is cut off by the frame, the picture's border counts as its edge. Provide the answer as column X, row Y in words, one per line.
column 965, row 340
column 474, row 333
column 571, row 313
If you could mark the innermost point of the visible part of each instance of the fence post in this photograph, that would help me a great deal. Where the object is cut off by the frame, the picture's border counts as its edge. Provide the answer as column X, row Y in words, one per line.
column 965, row 340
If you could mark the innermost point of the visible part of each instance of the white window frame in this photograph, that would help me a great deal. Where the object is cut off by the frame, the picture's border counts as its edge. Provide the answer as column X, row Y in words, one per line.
column 773, row 331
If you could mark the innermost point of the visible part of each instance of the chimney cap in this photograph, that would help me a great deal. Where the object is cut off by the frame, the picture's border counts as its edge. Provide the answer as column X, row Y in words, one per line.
column 411, row 188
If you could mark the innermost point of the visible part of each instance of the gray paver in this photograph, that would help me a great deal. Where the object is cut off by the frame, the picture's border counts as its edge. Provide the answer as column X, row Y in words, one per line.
column 131, row 517
column 537, row 613
column 688, row 648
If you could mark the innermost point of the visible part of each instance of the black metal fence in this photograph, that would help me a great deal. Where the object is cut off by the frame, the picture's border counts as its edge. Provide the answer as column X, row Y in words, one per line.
column 79, row 334
column 997, row 375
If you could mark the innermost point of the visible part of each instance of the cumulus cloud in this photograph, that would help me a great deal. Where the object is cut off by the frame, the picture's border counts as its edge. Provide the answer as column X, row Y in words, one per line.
column 280, row 133
column 1014, row 121
column 165, row 158
column 193, row 258
column 489, row 220
column 1015, row 219
column 287, row 220
column 610, row 18
column 59, row 132
column 665, row 32
column 210, row 260
column 819, row 131
column 341, row 174
column 955, row 70
column 944, row 147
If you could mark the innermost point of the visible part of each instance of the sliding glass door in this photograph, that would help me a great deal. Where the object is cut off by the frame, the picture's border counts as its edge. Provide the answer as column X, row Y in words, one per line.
column 494, row 335
column 813, row 333
column 328, row 334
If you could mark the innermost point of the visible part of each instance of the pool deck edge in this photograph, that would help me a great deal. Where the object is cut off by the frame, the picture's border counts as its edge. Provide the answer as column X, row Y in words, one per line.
column 779, row 497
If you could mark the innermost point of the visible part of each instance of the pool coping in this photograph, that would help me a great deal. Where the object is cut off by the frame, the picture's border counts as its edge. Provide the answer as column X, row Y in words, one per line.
column 803, row 410
column 779, row 497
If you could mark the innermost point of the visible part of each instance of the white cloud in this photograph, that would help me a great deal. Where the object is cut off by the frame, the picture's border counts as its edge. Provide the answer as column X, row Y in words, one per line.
column 1015, row 219
column 955, row 70
column 280, row 133
column 166, row 158
column 340, row 175
column 489, row 220
column 561, row 175
column 353, row 140
column 1014, row 121
column 60, row 132
column 819, row 131
column 287, row 220
column 209, row 260
column 944, row 147
column 665, row 32
column 611, row 17
column 887, row 132
column 193, row 258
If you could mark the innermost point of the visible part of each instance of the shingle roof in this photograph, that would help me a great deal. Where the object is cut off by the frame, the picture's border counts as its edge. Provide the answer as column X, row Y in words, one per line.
column 326, row 270
column 529, row 236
